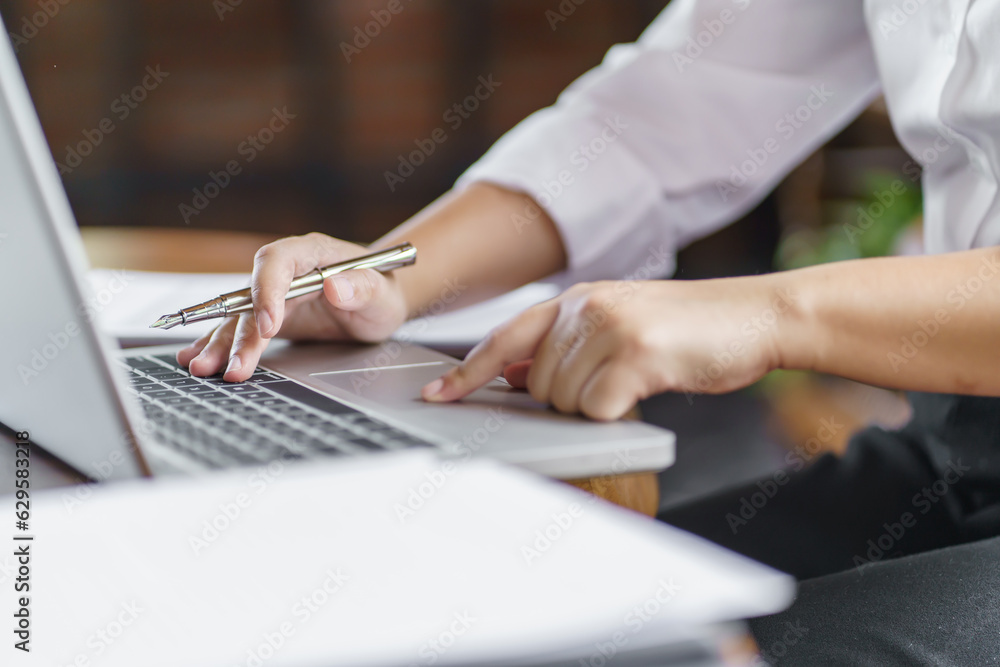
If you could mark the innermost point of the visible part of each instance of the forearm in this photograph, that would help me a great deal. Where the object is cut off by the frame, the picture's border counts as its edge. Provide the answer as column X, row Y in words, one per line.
column 916, row 323
column 477, row 243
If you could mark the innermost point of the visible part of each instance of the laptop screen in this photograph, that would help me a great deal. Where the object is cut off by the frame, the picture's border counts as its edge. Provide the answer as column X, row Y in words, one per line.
column 56, row 384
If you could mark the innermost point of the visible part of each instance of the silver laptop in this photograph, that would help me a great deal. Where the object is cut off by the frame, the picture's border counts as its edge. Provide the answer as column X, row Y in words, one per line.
column 122, row 413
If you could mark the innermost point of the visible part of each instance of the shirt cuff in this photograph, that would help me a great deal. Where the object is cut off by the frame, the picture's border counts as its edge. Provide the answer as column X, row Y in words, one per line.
column 582, row 174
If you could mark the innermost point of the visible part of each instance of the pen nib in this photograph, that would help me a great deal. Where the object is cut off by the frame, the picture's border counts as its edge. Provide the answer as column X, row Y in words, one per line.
column 167, row 322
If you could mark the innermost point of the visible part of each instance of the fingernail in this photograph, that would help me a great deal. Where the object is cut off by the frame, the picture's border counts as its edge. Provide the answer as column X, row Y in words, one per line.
column 264, row 323
column 234, row 364
column 431, row 391
column 345, row 290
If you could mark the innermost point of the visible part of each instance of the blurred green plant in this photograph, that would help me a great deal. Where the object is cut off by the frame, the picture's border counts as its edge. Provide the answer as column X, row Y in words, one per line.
column 870, row 227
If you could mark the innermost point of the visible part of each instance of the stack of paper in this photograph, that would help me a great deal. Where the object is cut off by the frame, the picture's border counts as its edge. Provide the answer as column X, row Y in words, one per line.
column 399, row 559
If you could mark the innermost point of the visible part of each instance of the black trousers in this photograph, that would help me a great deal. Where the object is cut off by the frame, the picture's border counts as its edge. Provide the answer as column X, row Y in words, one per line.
column 894, row 544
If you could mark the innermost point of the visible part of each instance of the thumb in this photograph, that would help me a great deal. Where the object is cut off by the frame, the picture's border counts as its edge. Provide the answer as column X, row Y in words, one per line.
column 354, row 290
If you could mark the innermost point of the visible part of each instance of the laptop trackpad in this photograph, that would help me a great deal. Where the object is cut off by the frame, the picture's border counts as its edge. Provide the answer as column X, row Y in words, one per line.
column 399, row 387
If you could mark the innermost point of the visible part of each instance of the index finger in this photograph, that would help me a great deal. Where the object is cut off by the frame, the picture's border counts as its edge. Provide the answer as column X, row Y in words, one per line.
column 511, row 342
column 278, row 263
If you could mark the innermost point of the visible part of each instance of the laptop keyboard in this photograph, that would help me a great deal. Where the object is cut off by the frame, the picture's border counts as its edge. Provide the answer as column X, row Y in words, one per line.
column 268, row 417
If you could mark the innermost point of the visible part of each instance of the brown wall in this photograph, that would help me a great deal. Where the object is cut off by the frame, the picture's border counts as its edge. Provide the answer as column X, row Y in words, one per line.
column 326, row 169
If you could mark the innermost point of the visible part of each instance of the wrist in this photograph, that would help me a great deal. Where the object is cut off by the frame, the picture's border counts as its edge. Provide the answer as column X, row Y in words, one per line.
column 469, row 248
column 796, row 341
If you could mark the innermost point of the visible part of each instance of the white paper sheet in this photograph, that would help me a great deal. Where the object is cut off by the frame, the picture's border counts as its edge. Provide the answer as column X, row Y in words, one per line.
column 387, row 560
column 128, row 302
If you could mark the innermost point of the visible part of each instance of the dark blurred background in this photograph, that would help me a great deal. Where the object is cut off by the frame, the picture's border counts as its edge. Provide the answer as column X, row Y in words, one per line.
column 136, row 147
column 230, row 65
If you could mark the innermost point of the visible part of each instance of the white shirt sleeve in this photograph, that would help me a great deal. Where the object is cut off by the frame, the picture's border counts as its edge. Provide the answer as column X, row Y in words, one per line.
column 685, row 130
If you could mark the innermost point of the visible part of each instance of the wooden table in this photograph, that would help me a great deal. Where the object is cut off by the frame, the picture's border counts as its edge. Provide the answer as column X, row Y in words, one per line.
column 206, row 251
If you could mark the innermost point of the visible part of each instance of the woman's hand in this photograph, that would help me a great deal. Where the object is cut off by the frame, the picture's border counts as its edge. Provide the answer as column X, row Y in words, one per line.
column 599, row 348
column 360, row 305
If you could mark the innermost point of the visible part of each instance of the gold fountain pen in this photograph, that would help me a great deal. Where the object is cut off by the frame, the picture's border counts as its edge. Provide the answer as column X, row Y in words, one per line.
column 240, row 301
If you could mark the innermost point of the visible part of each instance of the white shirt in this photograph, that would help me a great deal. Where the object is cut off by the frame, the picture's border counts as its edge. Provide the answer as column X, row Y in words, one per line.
column 688, row 128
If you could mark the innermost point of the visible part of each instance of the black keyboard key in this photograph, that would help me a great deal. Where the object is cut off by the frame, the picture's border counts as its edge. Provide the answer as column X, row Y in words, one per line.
column 323, row 445
column 333, row 429
column 193, row 409
column 196, row 388
column 290, row 410
column 258, row 417
column 181, row 382
column 412, row 441
column 271, row 402
column 255, row 396
column 314, row 419
column 220, row 400
column 212, row 396
column 313, row 399
column 139, row 380
column 239, row 388
column 367, row 444
column 367, row 423
column 178, row 400
column 266, row 377
column 168, row 359
column 149, row 388
column 141, row 363
column 160, row 395
column 165, row 374
column 282, row 429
